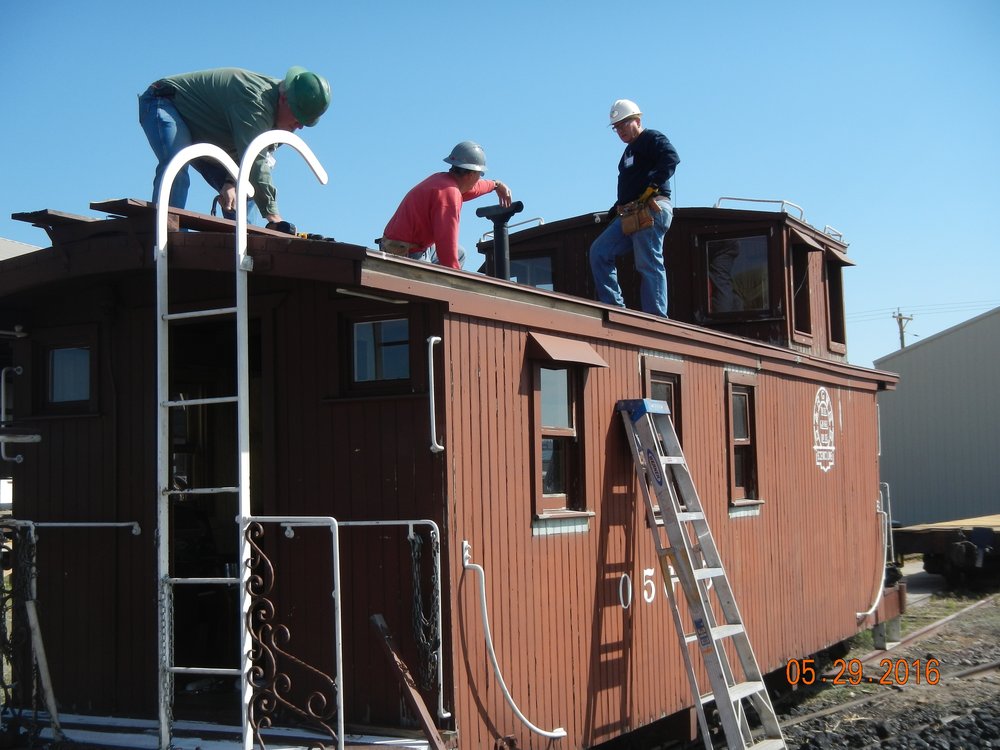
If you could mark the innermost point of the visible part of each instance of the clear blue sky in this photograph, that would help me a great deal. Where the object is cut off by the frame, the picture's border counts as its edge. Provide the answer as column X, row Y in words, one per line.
column 880, row 119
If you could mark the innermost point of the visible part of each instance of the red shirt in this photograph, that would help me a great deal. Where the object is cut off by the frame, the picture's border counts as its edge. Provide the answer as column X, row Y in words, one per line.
column 429, row 215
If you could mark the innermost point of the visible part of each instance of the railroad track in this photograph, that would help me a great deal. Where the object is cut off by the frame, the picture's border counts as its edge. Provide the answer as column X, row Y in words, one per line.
column 885, row 712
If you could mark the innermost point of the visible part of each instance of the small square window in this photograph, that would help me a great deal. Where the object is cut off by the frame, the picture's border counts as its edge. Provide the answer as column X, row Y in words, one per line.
column 737, row 275
column 381, row 350
column 69, row 375
column 64, row 370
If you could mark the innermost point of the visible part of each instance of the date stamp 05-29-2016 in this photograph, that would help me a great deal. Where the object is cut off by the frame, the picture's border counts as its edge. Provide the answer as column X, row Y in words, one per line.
column 851, row 672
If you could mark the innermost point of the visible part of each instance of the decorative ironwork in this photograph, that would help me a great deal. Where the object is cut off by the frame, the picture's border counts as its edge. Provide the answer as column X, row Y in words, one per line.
column 19, row 681
column 425, row 626
column 269, row 677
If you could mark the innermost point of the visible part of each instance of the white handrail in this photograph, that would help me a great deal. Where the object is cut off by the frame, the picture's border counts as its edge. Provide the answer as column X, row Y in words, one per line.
column 4, row 439
column 558, row 732
column 539, row 219
column 436, row 447
column 174, row 166
column 880, row 567
column 802, row 215
column 244, row 264
column 442, row 713
column 244, row 189
column 37, row 643
column 338, row 645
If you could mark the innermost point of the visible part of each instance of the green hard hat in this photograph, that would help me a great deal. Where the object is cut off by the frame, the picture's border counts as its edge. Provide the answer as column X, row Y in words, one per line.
column 308, row 95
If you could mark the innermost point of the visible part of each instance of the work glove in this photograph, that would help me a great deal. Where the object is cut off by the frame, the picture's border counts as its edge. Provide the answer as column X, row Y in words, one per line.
column 282, row 226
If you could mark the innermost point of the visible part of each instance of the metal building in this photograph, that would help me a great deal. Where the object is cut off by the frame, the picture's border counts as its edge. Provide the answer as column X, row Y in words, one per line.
column 941, row 426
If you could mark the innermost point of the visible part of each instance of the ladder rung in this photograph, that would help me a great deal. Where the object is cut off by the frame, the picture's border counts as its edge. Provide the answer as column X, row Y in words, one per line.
column 690, row 515
column 769, row 744
column 195, row 581
column 672, row 459
column 201, row 401
column 718, row 632
column 738, row 692
column 201, row 491
column 207, row 313
column 235, row 672
column 702, row 573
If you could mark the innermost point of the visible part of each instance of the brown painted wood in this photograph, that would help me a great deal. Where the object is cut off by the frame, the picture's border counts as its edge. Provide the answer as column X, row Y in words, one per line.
column 406, row 682
column 570, row 653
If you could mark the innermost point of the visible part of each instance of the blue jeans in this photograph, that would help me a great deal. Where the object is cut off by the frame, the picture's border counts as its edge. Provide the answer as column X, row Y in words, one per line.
column 647, row 247
column 167, row 134
column 430, row 256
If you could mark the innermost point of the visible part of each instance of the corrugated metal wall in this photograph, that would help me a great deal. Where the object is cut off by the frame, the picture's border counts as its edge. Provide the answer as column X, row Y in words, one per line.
column 940, row 426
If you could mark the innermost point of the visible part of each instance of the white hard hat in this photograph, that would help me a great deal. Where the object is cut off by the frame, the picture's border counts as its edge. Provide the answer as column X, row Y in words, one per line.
column 468, row 155
column 622, row 109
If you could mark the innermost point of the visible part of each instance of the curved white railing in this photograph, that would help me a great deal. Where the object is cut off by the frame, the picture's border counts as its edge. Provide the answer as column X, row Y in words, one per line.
column 244, row 189
column 181, row 159
column 555, row 734
column 886, row 533
column 244, row 264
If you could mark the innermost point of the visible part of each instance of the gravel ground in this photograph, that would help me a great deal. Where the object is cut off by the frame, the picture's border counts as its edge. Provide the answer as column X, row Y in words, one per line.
column 954, row 714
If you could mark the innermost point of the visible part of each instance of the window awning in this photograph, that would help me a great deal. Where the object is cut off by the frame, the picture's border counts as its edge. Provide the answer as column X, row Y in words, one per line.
column 798, row 236
column 555, row 349
column 805, row 239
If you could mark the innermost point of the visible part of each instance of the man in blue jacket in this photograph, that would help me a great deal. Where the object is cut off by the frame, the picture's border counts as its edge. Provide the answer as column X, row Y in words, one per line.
column 644, row 173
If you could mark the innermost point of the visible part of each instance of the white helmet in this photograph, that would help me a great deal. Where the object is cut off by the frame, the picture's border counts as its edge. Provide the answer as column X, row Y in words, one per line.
column 468, row 155
column 622, row 109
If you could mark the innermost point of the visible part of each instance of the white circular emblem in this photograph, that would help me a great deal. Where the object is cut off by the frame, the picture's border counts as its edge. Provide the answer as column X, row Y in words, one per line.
column 823, row 423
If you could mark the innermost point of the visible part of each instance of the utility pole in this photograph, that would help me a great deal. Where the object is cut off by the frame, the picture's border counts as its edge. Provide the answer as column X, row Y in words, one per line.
column 901, row 320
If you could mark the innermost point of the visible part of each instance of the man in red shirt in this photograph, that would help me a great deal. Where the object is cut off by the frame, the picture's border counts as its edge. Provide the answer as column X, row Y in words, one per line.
column 425, row 226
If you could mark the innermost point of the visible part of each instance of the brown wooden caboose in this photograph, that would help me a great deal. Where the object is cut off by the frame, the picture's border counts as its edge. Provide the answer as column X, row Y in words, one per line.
column 426, row 409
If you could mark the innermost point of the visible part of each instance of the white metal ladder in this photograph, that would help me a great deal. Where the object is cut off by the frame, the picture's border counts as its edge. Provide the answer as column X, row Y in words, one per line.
column 241, row 399
column 685, row 548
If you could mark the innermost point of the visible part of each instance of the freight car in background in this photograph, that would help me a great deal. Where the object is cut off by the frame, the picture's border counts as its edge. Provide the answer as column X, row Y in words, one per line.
column 458, row 430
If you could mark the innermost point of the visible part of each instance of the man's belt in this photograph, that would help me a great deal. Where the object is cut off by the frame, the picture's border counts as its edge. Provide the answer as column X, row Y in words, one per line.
column 397, row 247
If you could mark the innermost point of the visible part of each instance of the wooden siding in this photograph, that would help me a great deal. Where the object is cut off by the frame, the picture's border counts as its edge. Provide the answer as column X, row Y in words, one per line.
column 554, row 608
column 571, row 655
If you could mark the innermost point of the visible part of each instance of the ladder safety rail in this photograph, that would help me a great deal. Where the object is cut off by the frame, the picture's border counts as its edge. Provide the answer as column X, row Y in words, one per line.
column 244, row 264
column 164, row 403
column 555, row 734
column 244, row 189
column 436, row 447
column 684, row 544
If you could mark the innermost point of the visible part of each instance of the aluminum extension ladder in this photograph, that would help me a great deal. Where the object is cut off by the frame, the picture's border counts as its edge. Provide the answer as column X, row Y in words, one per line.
column 686, row 549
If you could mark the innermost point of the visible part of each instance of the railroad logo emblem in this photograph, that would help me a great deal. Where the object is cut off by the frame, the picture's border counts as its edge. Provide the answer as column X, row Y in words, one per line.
column 823, row 430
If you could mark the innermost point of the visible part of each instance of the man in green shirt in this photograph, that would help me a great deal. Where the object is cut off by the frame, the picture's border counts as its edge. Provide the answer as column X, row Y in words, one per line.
column 228, row 107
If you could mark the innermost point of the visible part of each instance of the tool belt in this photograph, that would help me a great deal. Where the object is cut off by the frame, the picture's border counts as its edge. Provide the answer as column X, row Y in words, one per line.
column 636, row 215
column 396, row 247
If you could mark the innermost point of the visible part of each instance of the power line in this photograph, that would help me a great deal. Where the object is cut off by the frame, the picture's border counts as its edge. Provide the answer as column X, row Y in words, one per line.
column 942, row 308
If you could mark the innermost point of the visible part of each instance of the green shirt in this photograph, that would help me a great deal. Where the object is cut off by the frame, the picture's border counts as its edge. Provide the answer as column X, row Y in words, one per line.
column 229, row 107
